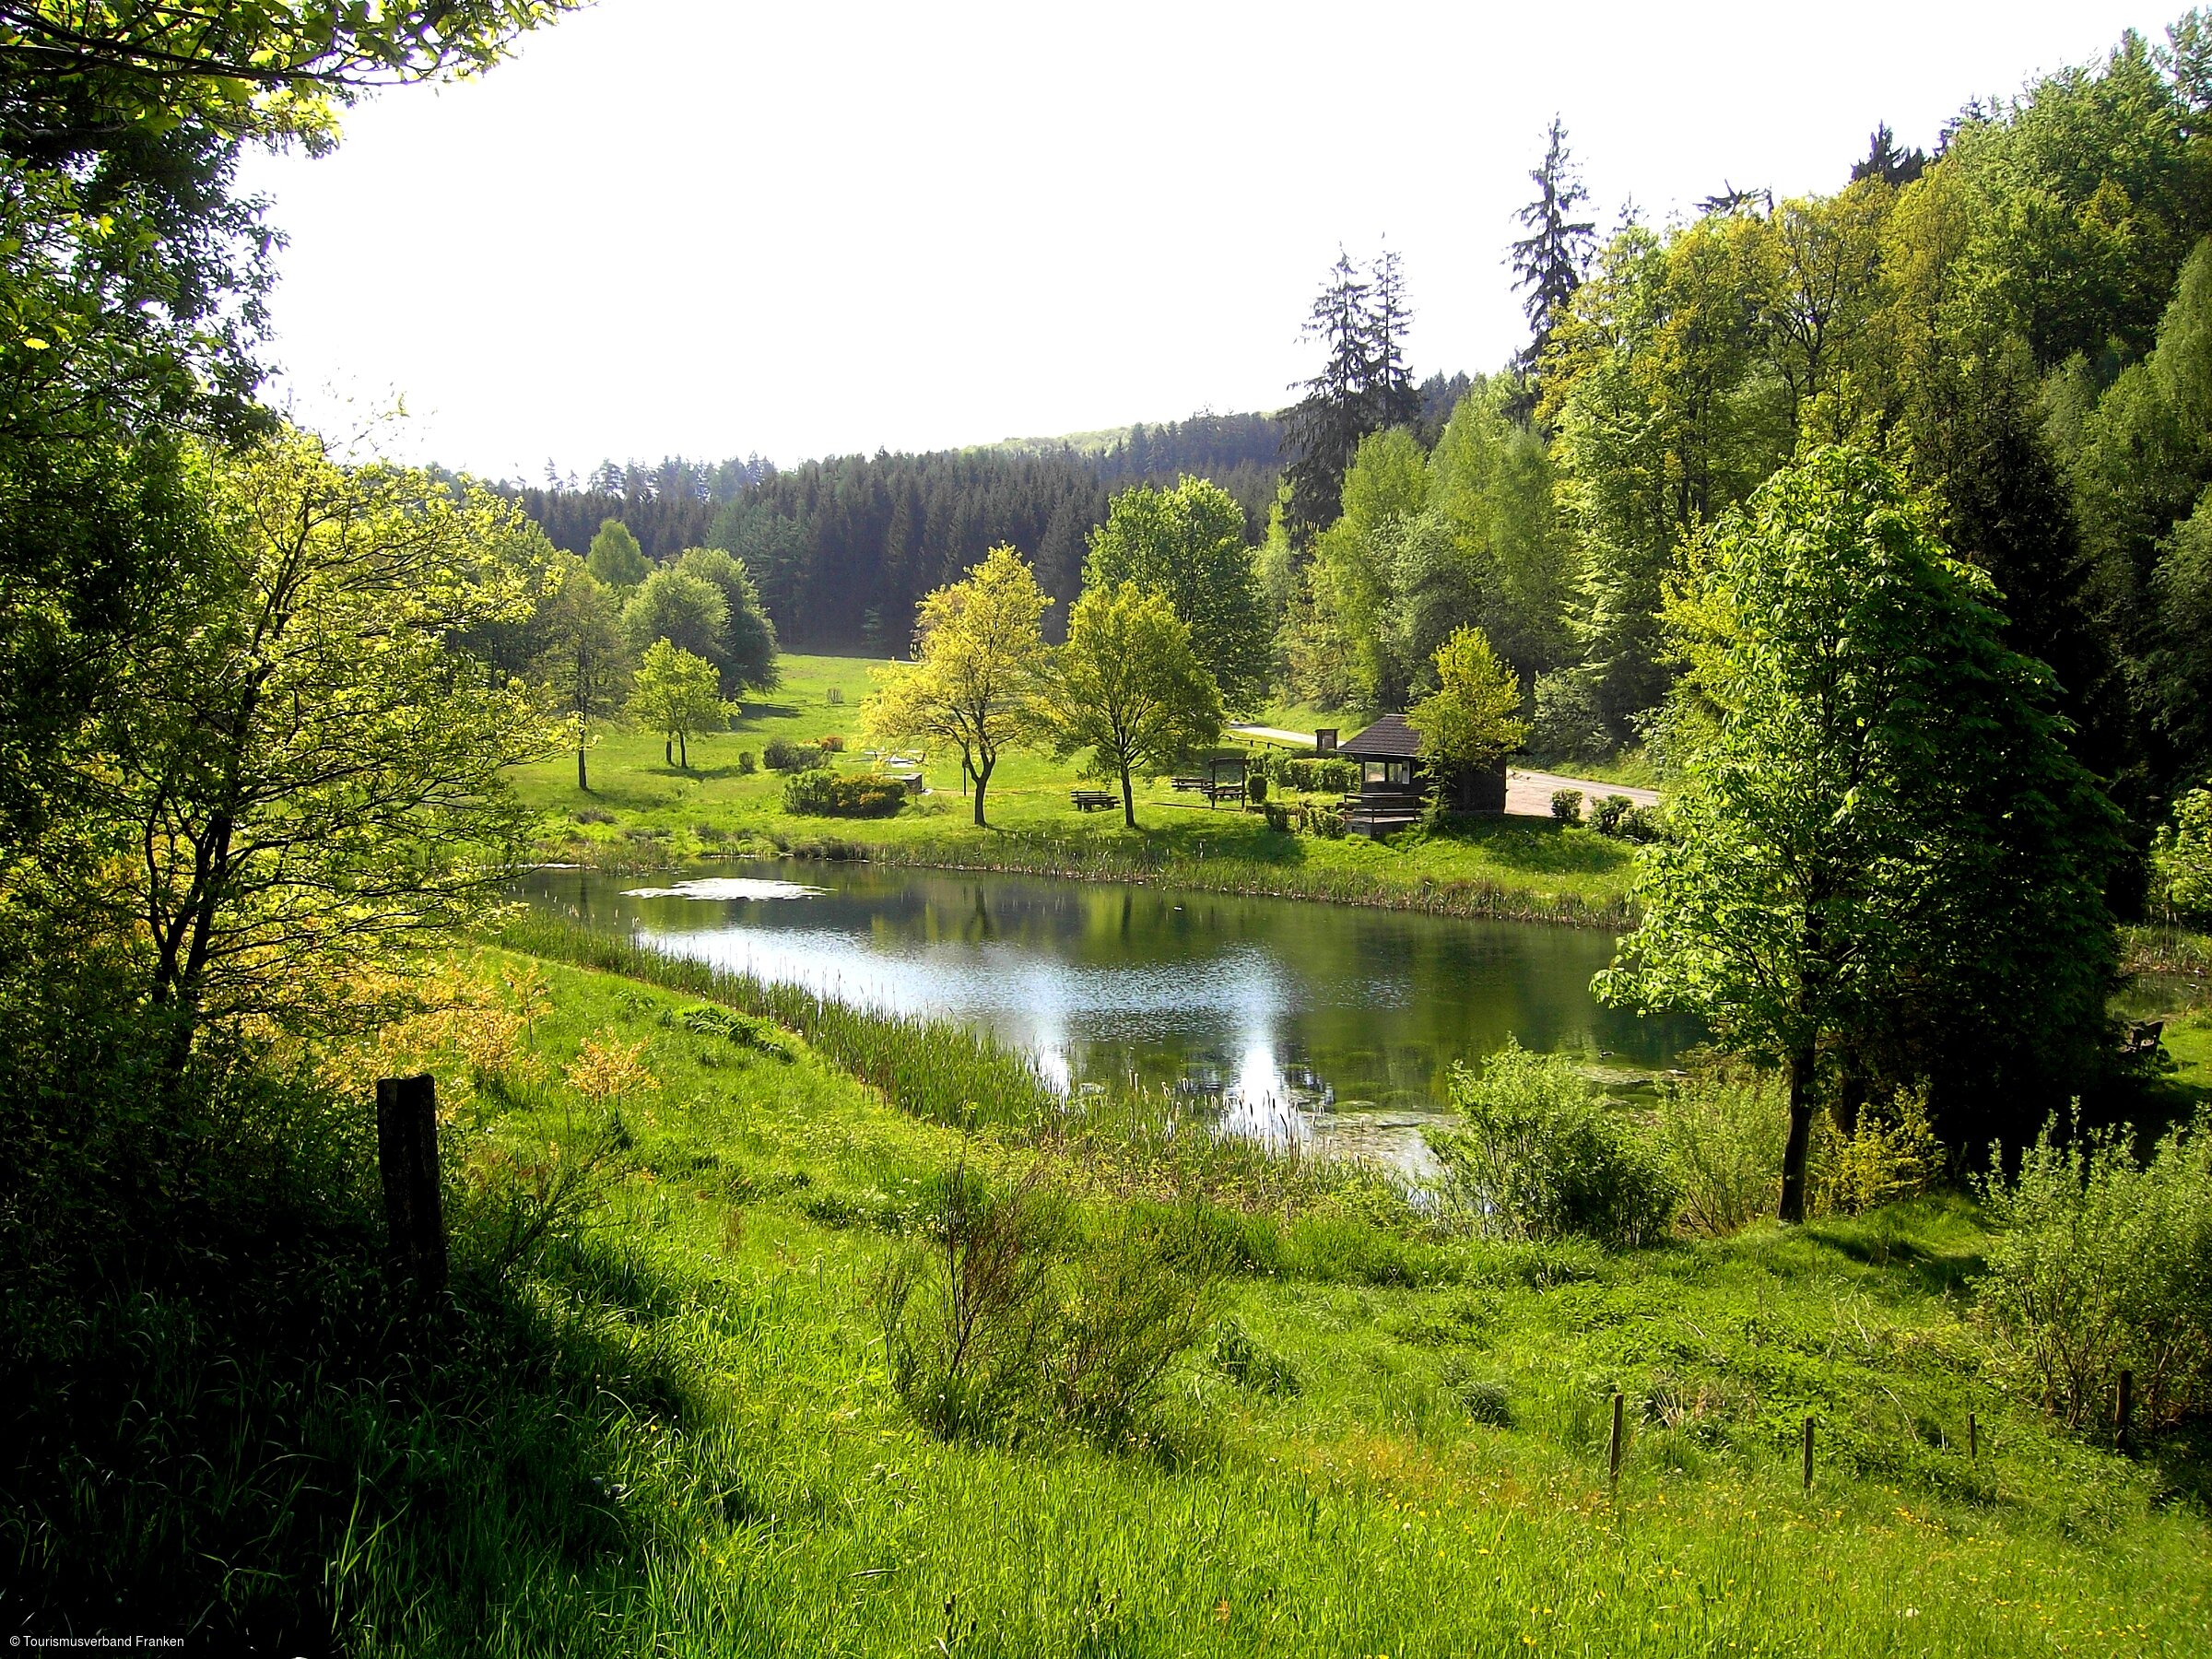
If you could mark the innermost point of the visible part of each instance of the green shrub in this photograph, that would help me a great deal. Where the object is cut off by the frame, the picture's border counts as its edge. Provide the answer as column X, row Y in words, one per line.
column 747, row 763
column 1327, row 822
column 1892, row 1154
column 1720, row 1136
column 1567, row 806
column 2103, row 1264
column 1007, row 1322
column 1256, row 788
column 1279, row 816
column 1539, row 1157
column 746, row 1030
column 1606, row 815
column 818, row 794
column 1309, row 774
column 1643, row 824
column 780, row 754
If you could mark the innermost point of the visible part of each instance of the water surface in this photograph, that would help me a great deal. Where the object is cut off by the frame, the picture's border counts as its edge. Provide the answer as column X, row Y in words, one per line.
column 1287, row 1019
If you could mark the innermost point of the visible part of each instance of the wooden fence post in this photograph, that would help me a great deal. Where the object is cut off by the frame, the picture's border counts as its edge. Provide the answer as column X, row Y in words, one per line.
column 406, row 1156
column 2124, row 1408
column 1613, row 1447
column 1973, row 1439
column 1809, row 1453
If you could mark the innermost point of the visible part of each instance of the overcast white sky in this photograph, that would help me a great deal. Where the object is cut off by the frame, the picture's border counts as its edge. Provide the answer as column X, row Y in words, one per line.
column 703, row 227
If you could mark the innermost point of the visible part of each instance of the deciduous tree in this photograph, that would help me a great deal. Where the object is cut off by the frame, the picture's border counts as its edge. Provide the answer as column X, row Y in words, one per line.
column 979, row 658
column 1187, row 544
column 585, row 660
column 614, row 557
column 677, row 693
column 747, row 653
column 1883, row 858
column 681, row 608
column 1473, row 719
column 1129, row 688
column 309, row 771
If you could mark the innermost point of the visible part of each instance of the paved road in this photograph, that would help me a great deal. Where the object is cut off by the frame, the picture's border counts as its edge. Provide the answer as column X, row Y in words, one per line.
column 1526, row 792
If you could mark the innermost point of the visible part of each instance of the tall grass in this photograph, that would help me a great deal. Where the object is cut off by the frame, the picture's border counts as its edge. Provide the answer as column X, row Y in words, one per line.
column 933, row 1069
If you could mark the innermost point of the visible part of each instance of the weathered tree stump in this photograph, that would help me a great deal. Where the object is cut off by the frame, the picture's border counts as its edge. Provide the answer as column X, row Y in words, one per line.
column 406, row 1156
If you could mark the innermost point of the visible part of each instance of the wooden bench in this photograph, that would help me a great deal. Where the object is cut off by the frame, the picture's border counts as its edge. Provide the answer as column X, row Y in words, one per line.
column 1093, row 800
column 1190, row 786
column 2142, row 1041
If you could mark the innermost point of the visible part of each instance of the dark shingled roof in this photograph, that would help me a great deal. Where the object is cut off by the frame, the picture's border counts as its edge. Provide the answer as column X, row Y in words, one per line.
column 1390, row 738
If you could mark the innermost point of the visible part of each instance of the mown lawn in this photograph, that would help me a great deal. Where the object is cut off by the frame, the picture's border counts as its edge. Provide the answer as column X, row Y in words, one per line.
column 1424, row 1473
column 643, row 811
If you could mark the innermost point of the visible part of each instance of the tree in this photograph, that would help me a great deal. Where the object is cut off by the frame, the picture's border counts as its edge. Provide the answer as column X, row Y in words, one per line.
column 747, row 652
column 1364, row 385
column 132, row 276
column 1340, row 641
column 676, row 693
column 1398, row 400
column 1493, row 482
column 616, row 558
column 1128, row 686
column 1882, row 859
column 1550, row 261
column 1325, row 426
column 585, row 660
column 979, row 658
column 1188, row 543
column 1473, row 719
column 307, row 774
column 683, row 608
column 1885, row 160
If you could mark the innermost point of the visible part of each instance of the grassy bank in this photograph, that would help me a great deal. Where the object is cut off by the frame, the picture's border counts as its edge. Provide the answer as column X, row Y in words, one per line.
column 664, row 1423
column 641, row 812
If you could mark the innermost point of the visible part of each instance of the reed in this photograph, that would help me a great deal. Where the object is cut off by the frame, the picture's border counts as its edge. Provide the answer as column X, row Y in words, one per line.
column 933, row 1069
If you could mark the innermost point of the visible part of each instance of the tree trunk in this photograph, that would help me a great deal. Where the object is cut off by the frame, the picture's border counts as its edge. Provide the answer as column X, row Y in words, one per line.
column 683, row 751
column 582, row 782
column 983, row 777
column 667, row 751
column 1799, row 1144
column 1128, row 802
column 1851, row 1097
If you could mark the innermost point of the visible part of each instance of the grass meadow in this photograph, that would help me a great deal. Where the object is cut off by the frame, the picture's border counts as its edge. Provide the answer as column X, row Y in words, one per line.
column 682, row 1436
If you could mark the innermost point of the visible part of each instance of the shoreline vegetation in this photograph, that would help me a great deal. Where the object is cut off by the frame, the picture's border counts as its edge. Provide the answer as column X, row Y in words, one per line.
column 642, row 814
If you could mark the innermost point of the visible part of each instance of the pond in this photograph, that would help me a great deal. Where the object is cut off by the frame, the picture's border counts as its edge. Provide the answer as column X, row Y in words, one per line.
column 1287, row 1020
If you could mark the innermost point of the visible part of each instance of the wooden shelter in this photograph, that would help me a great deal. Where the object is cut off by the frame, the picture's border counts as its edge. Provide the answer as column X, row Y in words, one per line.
column 1395, row 780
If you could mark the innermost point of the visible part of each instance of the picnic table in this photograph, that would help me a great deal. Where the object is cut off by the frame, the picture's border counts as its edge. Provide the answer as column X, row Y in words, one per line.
column 1092, row 800
column 1214, row 792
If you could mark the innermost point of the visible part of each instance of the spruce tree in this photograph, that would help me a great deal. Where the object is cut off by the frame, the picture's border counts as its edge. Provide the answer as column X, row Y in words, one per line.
column 1325, row 426
column 1550, row 261
column 1365, row 383
column 1396, row 399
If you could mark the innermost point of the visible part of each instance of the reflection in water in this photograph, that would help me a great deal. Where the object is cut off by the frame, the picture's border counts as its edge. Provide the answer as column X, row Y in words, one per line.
column 1289, row 1021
